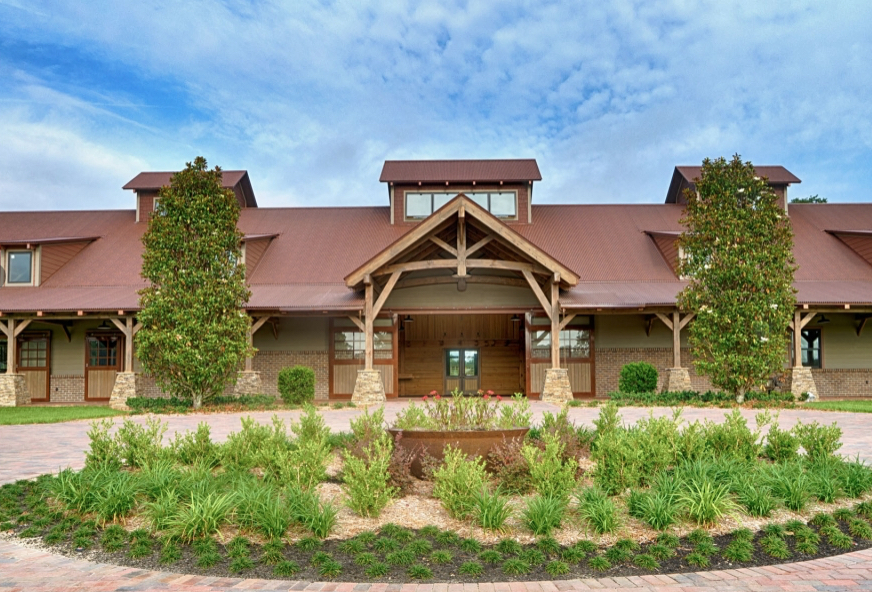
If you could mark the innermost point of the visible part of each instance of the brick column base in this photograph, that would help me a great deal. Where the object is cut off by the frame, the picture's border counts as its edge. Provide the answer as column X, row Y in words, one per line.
column 248, row 383
column 677, row 379
column 13, row 391
column 125, row 387
column 368, row 389
column 557, row 389
column 802, row 381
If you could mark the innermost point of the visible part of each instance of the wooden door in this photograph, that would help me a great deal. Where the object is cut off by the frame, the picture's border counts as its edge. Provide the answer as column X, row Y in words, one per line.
column 103, row 354
column 34, row 362
column 462, row 370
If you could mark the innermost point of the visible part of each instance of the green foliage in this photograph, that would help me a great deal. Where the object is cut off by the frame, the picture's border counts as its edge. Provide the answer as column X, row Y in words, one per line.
column 781, row 445
column 543, row 514
column 140, row 445
column 297, row 385
column 202, row 516
column 365, row 558
column 775, row 546
column 472, row 569
column 419, row 572
column 194, row 334
column 400, row 557
column 706, row 502
column 441, row 556
column 856, row 478
column 515, row 567
column 599, row 563
column 660, row 510
column 491, row 556
column 646, row 561
column 377, row 570
column 790, row 483
column 819, row 441
column 597, row 510
column 552, row 475
column 491, row 510
column 811, row 199
column 738, row 257
column 366, row 478
column 103, row 450
column 638, row 377
column 422, row 546
column 196, row 447
column 457, row 482
column 508, row 547
column 557, row 568
column 733, row 438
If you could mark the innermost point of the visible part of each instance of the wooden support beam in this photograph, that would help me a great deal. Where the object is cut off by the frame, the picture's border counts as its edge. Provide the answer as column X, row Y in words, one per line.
column 649, row 324
column 121, row 327
column 128, row 345
column 687, row 318
column 22, row 325
column 257, row 323
column 806, row 319
column 395, row 277
column 479, row 245
column 10, row 346
column 797, row 339
column 665, row 319
column 357, row 323
column 537, row 290
column 566, row 320
column 676, row 339
column 861, row 324
column 461, row 246
column 555, row 324
column 368, row 326
column 443, row 245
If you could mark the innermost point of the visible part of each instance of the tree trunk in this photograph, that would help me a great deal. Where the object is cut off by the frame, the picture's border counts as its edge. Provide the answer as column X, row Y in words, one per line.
column 740, row 396
column 198, row 401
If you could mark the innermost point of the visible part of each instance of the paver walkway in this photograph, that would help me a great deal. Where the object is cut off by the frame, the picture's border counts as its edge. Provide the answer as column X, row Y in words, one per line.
column 31, row 450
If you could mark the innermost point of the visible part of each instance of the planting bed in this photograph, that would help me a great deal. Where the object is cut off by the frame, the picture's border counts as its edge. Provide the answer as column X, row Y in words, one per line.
column 655, row 497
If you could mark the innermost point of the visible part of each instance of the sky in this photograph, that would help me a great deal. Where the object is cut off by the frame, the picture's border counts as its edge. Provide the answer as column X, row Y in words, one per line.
column 311, row 97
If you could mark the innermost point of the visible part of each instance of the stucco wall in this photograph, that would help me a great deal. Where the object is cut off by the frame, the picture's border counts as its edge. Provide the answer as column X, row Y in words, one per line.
column 475, row 296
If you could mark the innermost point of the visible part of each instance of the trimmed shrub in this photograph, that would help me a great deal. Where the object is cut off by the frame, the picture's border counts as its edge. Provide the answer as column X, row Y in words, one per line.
column 638, row 377
column 297, row 385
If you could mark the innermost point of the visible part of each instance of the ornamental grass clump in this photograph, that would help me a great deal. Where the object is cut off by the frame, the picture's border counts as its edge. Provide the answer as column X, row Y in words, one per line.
column 366, row 477
column 552, row 475
column 460, row 412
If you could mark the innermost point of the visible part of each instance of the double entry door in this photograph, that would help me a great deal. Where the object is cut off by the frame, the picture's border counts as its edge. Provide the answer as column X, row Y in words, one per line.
column 462, row 370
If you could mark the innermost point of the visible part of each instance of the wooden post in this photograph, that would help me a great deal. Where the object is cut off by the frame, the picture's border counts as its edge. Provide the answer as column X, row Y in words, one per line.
column 676, row 340
column 368, row 325
column 797, row 339
column 255, row 325
column 461, row 246
column 128, row 349
column 11, row 342
column 555, row 325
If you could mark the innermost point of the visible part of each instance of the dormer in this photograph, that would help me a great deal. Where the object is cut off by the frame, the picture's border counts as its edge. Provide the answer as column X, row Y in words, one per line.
column 147, row 185
column 31, row 262
column 683, row 177
column 417, row 188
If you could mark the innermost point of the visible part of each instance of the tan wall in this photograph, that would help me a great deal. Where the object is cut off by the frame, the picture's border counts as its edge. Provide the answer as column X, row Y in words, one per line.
column 295, row 334
column 841, row 347
column 475, row 296
column 620, row 331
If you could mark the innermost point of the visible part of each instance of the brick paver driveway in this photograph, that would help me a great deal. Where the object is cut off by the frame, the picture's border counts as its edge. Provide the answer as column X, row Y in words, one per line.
column 28, row 451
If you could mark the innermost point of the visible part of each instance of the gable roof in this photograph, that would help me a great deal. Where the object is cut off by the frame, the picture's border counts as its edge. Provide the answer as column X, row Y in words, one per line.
column 460, row 171
column 460, row 207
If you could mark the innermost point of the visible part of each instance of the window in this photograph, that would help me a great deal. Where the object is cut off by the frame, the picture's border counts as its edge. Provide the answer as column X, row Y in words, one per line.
column 19, row 267
column 33, row 353
column 103, row 351
column 351, row 345
column 502, row 204
column 811, row 348
column 3, row 354
column 574, row 343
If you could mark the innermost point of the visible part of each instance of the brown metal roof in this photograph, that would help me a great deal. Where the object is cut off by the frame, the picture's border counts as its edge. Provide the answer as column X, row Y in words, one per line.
column 238, row 181
column 685, row 176
column 303, row 268
column 460, row 171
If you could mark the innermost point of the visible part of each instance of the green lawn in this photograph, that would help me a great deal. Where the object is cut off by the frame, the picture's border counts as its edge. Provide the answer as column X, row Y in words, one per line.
column 855, row 406
column 22, row 415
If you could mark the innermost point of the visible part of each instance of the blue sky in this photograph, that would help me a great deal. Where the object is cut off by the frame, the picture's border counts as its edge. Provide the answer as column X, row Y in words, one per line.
column 312, row 96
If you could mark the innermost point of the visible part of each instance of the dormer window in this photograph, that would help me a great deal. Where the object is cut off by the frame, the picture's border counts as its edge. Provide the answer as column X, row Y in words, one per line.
column 19, row 267
column 502, row 204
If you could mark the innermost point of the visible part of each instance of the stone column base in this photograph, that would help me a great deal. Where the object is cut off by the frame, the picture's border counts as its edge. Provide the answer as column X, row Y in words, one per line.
column 802, row 381
column 677, row 379
column 248, row 383
column 125, row 387
column 368, row 389
column 13, row 391
column 557, row 389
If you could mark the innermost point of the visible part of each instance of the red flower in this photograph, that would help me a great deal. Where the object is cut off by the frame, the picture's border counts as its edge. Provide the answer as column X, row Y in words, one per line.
column 424, row 398
column 486, row 397
column 438, row 397
column 490, row 392
column 499, row 398
column 433, row 393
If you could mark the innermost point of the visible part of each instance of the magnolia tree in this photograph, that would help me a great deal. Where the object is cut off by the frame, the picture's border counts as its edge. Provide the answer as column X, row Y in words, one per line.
column 737, row 255
column 194, row 334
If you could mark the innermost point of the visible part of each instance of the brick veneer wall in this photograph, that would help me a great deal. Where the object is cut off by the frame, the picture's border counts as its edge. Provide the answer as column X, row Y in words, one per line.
column 67, row 388
column 843, row 383
column 609, row 362
column 269, row 363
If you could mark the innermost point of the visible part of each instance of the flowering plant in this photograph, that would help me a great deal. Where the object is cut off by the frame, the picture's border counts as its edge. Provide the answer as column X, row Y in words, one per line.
column 461, row 412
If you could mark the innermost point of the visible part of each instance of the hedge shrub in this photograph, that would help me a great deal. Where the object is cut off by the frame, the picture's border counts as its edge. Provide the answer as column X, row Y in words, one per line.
column 638, row 377
column 297, row 385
